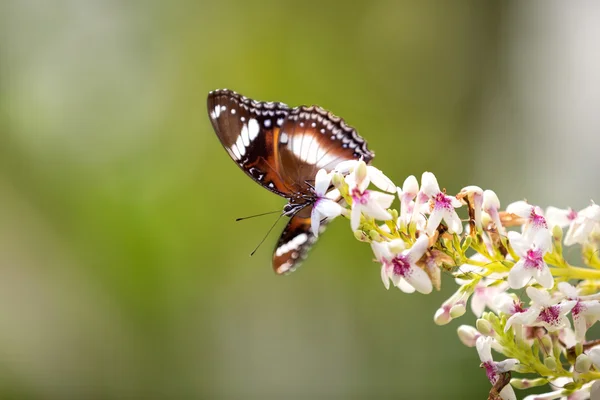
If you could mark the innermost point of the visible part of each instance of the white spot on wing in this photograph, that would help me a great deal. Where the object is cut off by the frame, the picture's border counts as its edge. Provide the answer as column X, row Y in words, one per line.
column 244, row 136
column 253, row 128
column 327, row 159
column 292, row 245
column 240, row 145
column 283, row 138
column 217, row 112
column 233, row 110
column 235, row 152
column 267, row 123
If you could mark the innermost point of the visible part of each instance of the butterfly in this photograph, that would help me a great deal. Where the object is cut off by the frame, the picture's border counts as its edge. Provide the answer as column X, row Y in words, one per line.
column 282, row 148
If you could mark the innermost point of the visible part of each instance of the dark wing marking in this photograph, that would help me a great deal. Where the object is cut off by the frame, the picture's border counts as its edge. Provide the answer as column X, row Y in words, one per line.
column 248, row 130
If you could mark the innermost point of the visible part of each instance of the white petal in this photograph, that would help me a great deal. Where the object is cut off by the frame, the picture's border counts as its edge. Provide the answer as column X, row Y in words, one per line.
column 384, row 277
column 383, row 199
column 454, row 201
column 477, row 305
column 591, row 212
column 543, row 239
column 518, row 275
column 580, row 327
column 490, row 200
column 545, row 278
column 380, row 180
column 411, row 186
column 361, row 176
column 345, row 166
column 557, row 216
column 315, row 221
column 429, row 184
column 328, row 208
column 322, row 181
column 539, row 297
column 419, row 280
column 418, row 249
column 567, row 289
column 405, row 286
column 508, row 393
column 381, row 251
column 355, row 217
column 454, row 222
column 434, row 221
column 507, row 365
column 333, row 194
column 518, row 243
column 520, row 208
column 594, row 355
column 484, row 348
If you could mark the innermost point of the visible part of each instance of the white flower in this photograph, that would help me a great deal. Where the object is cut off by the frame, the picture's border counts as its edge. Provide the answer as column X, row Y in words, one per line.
column 407, row 194
column 324, row 207
column 376, row 176
column 493, row 369
column 531, row 264
column 368, row 202
column 583, row 225
column 474, row 195
column 486, row 291
column 559, row 217
column 508, row 304
column 543, row 312
column 491, row 205
column 442, row 206
column 585, row 313
column 399, row 265
column 534, row 220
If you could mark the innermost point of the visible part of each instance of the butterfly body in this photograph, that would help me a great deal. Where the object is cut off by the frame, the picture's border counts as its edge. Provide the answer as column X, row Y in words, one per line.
column 282, row 148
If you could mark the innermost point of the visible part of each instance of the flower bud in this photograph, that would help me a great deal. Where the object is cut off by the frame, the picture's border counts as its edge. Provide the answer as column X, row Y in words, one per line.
column 458, row 310
column 527, row 383
column 550, row 363
column 337, row 180
column 583, row 363
column 547, row 344
column 442, row 316
column 360, row 171
column 468, row 335
column 394, row 214
column 484, row 327
column 361, row 236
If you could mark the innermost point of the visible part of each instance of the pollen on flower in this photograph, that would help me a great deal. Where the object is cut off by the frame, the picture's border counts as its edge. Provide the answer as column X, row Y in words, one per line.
column 401, row 266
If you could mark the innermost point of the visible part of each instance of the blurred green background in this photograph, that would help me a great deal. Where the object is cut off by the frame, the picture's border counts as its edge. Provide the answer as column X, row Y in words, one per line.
column 122, row 272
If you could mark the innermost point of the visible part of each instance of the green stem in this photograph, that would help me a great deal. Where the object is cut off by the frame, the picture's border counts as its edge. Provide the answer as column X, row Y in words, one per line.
column 571, row 272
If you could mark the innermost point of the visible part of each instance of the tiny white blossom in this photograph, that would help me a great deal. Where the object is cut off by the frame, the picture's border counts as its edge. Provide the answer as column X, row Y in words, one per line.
column 407, row 194
column 534, row 219
column 531, row 264
column 583, row 225
column 491, row 205
column 324, row 207
column 494, row 369
column 453, row 307
column 399, row 265
column 468, row 335
column 585, row 312
column 559, row 217
column 368, row 202
column 375, row 175
column 442, row 206
column 544, row 311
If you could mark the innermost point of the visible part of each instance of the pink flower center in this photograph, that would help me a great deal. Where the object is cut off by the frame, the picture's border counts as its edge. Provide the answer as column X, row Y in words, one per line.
column 534, row 259
column 490, row 371
column 537, row 220
column 401, row 266
column 442, row 201
column 360, row 198
column 518, row 307
column 572, row 214
column 578, row 309
column 550, row 315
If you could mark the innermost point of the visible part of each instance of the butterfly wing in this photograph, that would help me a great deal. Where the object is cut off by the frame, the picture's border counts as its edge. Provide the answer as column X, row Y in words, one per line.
column 312, row 138
column 248, row 130
column 294, row 243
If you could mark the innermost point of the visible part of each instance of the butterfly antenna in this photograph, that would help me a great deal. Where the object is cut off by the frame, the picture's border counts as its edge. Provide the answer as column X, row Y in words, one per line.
column 257, row 215
column 269, row 231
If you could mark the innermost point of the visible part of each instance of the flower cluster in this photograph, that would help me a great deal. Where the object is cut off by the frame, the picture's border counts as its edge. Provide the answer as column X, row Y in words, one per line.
column 533, row 306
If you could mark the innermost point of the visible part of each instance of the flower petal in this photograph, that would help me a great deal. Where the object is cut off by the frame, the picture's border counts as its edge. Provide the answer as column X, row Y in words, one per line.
column 520, row 208
column 315, row 221
column 418, row 249
column 379, row 179
column 355, row 217
column 484, row 348
column 385, row 277
column 539, row 297
column 405, row 286
column 429, row 184
column 519, row 275
column 419, row 280
column 544, row 277
column 434, row 221
column 322, row 181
